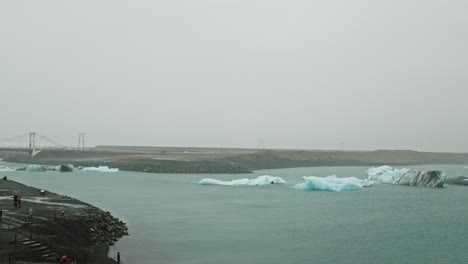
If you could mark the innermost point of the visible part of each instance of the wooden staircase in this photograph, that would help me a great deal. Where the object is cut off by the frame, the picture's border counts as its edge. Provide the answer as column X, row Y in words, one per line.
column 39, row 249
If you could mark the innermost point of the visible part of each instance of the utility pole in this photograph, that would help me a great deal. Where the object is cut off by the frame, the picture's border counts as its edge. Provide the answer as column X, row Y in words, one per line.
column 81, row 142
column 261, row 143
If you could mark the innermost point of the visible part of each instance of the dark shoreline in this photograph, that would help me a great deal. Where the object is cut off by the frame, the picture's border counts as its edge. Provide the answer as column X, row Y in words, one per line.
column 84, row 232
column 169, row 166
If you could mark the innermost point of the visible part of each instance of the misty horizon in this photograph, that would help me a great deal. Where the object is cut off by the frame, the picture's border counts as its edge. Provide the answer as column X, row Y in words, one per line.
column 300, row 75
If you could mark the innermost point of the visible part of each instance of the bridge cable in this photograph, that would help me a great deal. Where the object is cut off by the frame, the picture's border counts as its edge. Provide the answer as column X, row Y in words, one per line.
column 52, row 141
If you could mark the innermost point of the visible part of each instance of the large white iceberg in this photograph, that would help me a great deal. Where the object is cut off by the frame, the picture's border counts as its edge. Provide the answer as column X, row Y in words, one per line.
column 99, row 169
column 6, row 169
column 332, row 183
column 387, row 174
column 261, row 180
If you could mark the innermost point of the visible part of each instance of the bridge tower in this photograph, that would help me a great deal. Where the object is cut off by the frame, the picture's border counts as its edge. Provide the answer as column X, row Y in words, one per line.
column 32, row 144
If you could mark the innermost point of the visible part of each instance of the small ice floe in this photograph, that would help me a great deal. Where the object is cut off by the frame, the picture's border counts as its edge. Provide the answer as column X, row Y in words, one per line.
column 460, row 180
column 261, row 180
column 99, row 169
column 6, row 169
column 34, row 167
column 332, row 183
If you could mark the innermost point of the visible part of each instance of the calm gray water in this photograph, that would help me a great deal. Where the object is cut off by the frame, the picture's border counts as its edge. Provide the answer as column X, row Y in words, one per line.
column 172, row 219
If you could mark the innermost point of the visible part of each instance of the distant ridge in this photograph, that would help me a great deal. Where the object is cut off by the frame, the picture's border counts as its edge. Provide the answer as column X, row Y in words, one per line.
column 226, row 160
column 268, row 159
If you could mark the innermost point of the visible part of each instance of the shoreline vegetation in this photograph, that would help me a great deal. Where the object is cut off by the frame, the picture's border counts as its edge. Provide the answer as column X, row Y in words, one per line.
column 210, row 160
column 59, row 225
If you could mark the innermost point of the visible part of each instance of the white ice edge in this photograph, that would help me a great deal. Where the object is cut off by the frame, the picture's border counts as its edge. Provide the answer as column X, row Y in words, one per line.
column 261, row 180
column 332, row 183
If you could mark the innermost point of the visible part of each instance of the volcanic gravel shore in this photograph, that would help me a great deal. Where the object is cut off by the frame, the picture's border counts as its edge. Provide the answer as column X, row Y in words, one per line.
column 60, row 225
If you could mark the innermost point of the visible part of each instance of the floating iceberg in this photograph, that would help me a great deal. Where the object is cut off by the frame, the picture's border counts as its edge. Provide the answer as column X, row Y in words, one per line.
column 261, row 180
column 332, row 183
column 34, row 167
column 64, row 168
column 99, row 169
column 387, row 174
column 6, row 169
column 460, row 180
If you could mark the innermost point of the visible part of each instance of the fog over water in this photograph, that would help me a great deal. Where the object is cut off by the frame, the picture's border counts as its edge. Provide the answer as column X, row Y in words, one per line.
column 299, row 74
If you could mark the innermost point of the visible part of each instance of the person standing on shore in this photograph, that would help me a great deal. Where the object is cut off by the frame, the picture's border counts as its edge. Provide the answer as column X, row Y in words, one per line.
column 15, row 200
column 118, row 257
column 30, row 214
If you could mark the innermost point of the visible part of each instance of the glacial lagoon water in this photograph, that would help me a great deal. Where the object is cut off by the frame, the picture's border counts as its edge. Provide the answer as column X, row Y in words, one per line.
column 172, row 219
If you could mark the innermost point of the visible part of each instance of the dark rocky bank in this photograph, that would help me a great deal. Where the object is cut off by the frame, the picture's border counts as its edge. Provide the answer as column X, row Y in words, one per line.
column 154, row 166
column 82, row 232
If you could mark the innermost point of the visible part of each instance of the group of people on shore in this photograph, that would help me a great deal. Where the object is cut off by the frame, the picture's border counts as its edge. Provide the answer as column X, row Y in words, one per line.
column 17, row 204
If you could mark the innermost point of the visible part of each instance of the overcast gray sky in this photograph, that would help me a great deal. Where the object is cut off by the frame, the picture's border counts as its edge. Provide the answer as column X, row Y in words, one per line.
column 222, row 73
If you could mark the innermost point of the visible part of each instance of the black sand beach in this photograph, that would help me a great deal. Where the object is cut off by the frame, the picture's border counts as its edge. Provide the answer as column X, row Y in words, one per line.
column 59, row 226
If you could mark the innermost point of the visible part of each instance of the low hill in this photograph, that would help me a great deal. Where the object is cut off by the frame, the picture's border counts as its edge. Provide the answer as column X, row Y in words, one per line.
column 274, row 159
column 211, row 160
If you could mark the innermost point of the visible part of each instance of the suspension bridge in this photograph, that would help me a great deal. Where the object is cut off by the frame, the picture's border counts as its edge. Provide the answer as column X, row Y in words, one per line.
column 34, row 142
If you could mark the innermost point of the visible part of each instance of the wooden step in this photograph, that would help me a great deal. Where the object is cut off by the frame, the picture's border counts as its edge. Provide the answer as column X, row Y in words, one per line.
column 34, row 245
column 28, row 242
column 49, row 255
column 40, row 249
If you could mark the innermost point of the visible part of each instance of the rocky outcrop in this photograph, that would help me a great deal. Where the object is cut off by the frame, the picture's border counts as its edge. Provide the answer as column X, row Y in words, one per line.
column 104, row 228
column 61, row 225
